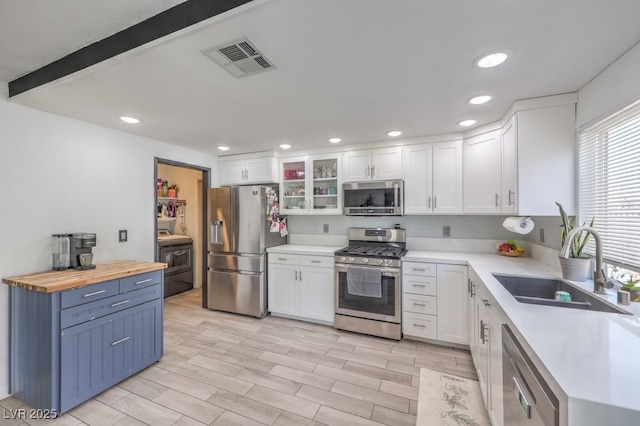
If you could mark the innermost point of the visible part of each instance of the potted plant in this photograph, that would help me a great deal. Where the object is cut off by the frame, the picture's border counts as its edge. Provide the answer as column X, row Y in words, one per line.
column 576, row 267
column 633, row 287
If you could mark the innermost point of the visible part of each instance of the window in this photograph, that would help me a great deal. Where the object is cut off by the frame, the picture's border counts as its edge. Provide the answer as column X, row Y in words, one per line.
column 609, row 186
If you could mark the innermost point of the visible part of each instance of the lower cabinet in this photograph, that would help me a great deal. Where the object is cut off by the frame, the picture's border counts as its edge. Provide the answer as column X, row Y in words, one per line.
column 434, row 302
column 486, row 319
column 301, row 286
column 69, row 346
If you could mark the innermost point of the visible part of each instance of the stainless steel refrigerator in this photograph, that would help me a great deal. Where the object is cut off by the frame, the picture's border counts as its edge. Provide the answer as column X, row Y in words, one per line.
column 239, row 219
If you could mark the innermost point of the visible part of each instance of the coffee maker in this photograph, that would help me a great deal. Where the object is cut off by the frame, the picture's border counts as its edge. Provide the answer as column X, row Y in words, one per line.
column 73, row 251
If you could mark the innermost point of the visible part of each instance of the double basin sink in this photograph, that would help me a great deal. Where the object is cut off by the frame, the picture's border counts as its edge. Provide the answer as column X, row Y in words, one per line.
column 541, row 291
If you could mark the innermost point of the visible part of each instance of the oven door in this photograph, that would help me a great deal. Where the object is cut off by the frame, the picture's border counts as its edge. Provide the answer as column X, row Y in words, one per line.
column 177, row 258
column 386, row 308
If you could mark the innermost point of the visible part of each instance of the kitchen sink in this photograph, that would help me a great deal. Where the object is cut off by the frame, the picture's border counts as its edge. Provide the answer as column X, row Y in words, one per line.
column 541, row 291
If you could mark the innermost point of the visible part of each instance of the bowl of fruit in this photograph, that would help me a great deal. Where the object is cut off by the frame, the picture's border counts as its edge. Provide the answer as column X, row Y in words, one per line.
column 510, row 248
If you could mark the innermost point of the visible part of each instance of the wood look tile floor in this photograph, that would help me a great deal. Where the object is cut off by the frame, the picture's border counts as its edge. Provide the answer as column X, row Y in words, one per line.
column 226, row 369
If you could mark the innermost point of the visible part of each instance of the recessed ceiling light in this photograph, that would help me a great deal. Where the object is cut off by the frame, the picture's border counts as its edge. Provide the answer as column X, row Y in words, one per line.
column 285, row 146
column 223, row 148
column 479, row 100
column 492, row 59
column 334, row 140
column 466, row 123
column 130, row 120
column 394, row 133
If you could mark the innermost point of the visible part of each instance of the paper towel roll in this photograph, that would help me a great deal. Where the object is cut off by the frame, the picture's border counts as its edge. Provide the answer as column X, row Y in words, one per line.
column 519, row 225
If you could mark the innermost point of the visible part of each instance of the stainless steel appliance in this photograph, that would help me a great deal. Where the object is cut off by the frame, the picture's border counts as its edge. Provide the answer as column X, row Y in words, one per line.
column 73, row 251
column 368, row 282
column 528, row 400
column 177, row 252
column 377, row 198
column 239, row 220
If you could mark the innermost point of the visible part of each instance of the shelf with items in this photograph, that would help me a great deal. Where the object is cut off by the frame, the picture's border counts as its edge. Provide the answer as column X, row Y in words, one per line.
column 310, row 184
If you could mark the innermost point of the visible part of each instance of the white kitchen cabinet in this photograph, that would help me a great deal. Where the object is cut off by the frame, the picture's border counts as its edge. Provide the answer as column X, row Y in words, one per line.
column 311, row 185
column 485, row 342
column 509, row 167
column 434, row 302
column 372, row 164
column 452, row 304
column 539, row 157
column 433, row 178
column 248, row 170
column 301, row 287
column 483, row 173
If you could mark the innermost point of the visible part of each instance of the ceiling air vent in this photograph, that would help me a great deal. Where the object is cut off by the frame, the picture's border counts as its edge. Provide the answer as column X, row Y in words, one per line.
column 240, row 58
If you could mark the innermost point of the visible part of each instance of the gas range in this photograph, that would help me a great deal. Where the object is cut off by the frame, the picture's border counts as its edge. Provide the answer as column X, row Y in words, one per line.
column 373, row 247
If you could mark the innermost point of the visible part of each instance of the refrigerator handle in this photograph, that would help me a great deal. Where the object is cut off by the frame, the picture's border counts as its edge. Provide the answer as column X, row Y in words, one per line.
column 216, row 235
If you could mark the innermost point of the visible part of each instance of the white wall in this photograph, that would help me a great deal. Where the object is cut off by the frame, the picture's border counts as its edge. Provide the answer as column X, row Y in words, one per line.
column 63, row 175
column 617, row 86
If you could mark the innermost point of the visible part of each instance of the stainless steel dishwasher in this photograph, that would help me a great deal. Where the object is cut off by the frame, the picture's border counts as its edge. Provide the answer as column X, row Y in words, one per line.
column 528, row 400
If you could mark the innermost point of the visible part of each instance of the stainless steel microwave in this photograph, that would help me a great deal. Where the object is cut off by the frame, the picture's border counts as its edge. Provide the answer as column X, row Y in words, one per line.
column 373, row 198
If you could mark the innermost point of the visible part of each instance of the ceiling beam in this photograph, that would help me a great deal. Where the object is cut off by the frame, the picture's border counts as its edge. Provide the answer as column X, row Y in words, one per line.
column 171, row 20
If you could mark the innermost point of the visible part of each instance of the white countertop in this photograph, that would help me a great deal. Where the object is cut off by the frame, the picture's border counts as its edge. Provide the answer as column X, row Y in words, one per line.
column 304, row 249
column 589, row 356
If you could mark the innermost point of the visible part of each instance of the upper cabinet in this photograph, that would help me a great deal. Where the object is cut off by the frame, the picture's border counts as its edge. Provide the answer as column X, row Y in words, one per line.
column 372, row 164
column 483, row 173
column 311, row 185
column 433, row 178
column 246, row 171
column 543, row 142
column 527, row 165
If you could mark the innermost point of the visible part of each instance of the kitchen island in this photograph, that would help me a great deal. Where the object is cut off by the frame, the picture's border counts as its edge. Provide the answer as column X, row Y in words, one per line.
column 587, row 358
column 74, row 334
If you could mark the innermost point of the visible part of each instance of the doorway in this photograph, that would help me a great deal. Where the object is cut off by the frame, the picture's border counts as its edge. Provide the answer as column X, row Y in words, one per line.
column 181, row 211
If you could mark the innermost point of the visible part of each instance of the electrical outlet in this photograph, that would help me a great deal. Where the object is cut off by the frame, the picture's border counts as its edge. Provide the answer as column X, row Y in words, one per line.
column 325, row 228
column 542, row 235
column 122, row 236
column 446, row 231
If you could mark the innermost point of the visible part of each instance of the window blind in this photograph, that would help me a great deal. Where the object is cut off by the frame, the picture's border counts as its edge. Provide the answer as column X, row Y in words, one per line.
column 609, row 184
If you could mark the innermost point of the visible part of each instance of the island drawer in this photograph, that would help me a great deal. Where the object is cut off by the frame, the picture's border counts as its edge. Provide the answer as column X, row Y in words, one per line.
column 99, row 308
column 89, row 293
column 139, row 281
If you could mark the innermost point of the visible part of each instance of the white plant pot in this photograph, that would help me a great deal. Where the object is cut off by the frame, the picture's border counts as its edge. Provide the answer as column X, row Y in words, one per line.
column 576, row 269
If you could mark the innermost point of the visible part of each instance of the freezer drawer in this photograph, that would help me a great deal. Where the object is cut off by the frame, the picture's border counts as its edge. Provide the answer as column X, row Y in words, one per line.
column 237, row 292
column 236, row 262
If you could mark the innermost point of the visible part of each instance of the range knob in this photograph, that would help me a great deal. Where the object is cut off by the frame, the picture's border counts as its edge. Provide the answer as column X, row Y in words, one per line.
column 388, row 262
column 351, row 259
column 342, row 258
column 379, row 261
column 365, row 260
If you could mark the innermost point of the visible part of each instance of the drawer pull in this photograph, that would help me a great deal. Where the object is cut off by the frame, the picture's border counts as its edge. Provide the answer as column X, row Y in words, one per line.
column 120, row 303
column 418, row 269
column 418, row 285
column 94, row 293
column 419, row 304
column 117, row 342
column 419, row 325
column 282, row 258
column 316, row 261
column 143, row 281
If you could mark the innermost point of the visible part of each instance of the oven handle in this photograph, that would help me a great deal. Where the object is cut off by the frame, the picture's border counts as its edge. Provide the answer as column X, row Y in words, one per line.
column 387, row 272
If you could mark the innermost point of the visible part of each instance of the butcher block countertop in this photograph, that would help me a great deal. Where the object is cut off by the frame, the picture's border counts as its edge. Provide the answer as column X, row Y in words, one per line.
column 52, row 281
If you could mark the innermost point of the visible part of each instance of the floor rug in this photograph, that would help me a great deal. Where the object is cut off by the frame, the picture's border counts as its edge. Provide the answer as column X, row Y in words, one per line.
column 448, row 400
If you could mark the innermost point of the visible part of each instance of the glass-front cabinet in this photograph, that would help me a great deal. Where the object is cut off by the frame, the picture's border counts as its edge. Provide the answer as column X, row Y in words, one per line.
column 311, row 185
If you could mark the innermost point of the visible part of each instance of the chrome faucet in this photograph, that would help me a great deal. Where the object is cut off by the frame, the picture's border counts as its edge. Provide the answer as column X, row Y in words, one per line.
column 600, row 281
